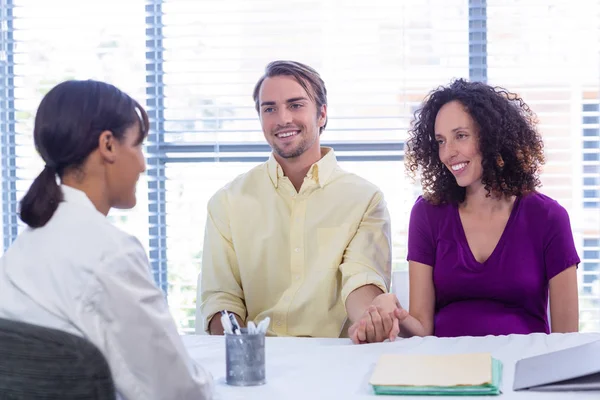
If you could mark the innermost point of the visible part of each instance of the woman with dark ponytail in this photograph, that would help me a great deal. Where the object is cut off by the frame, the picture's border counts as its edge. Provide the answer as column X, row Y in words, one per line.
column 41, row 199
column 72, row 269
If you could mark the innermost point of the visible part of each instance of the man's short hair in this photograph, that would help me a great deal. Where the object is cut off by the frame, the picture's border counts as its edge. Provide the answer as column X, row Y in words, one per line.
column 306, row 77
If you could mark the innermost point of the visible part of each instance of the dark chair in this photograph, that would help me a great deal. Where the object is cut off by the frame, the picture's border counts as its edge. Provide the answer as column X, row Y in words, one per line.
column 44, row 363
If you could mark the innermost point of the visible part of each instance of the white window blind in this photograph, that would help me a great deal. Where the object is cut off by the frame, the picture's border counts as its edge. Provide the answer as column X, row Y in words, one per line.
column 557, row 72
column 194, row 63
column 378, row 60
column 44, row 43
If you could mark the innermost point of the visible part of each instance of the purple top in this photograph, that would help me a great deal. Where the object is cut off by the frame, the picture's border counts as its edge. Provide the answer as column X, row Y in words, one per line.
column 508, row 293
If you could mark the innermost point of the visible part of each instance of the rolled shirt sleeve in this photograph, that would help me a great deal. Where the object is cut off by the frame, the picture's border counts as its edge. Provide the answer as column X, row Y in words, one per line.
column 368, row 257
column 220, row 287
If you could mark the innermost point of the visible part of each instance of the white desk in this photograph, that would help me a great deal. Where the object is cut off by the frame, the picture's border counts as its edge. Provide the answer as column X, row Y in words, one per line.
column 299, row 368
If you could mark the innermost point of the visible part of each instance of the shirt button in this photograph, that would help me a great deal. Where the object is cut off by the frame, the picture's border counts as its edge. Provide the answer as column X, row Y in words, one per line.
column 297, row 249
column 278, row 322
column 297, row 277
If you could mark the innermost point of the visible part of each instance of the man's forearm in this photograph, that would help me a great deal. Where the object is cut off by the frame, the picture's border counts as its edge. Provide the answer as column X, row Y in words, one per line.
column 359, row 300
column 216, row 328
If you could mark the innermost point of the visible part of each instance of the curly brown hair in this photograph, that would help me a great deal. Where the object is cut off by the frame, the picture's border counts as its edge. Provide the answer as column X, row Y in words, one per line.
column 510, row 145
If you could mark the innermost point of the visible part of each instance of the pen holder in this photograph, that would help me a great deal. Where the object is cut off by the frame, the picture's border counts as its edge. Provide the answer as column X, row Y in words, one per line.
column 245, row 359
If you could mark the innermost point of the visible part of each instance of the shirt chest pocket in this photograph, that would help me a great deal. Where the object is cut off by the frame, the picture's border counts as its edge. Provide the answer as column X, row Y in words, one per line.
column 331, row 244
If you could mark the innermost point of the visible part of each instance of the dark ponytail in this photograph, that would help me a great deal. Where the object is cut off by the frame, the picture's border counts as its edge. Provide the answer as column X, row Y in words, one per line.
column 42, row 199
column 68, row 124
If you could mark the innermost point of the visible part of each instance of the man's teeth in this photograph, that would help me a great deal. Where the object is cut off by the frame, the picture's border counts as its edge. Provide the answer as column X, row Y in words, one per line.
column 457, row 167
column 287, row 134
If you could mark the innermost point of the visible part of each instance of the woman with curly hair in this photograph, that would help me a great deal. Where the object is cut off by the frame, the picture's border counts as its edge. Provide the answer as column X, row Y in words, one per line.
column 485, row 249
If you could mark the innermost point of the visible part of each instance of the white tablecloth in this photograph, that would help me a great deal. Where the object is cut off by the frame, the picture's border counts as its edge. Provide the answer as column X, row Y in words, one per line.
column 302, row 368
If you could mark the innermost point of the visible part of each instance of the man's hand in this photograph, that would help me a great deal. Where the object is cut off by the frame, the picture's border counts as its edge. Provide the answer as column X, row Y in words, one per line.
column 380, row 321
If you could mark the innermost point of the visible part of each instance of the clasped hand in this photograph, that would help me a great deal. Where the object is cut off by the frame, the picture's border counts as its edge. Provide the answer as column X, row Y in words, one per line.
column 380, row 321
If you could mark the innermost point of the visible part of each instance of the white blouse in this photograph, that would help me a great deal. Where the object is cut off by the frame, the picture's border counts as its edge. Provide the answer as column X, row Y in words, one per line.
column 81, row 274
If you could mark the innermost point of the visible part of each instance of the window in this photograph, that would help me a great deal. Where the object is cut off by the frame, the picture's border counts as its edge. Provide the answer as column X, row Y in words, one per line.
column 591, row 242
column 589, row 302
column 52, row 42
column 591, row 107
column 212, row 55
column 536, row 69
column 592, row 144
column 194, row 65
column 591, row 132
column 591, row 169
column 591, row 157
column 591, row 254
column 591, row 266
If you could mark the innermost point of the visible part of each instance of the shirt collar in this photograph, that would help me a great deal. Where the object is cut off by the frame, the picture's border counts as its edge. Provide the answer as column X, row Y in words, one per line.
column 319, row 172
column 76, row 196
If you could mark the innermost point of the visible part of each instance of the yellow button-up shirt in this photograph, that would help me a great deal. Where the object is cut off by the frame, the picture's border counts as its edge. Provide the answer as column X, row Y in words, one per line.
column 294, row 256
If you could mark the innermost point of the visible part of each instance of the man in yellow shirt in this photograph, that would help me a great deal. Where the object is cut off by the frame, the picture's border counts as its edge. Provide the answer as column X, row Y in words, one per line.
column 297, row 238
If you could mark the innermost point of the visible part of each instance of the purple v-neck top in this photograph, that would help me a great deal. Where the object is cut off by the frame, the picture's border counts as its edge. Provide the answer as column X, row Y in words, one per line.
column 506, row 294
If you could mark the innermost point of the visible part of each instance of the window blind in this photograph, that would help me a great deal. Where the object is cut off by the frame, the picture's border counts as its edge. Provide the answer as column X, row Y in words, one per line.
column 44, row 43
column 557, row 71
column 194, row 64
column 378, row 60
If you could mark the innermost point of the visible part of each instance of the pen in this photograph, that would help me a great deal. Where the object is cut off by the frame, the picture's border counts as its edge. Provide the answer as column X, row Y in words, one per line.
column 226, row 322
column 234, row 325
column 263, row 325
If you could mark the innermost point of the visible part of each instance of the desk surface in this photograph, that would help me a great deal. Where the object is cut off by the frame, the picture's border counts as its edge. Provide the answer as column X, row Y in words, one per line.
column 303, row 368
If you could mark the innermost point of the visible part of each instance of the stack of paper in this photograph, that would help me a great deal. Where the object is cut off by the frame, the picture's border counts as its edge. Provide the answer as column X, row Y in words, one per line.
column 455, row 374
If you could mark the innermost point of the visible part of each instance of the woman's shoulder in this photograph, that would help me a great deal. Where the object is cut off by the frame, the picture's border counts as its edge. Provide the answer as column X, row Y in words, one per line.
column 94, row 235
column 426, row 207
column 544, row 211
column 539, row 204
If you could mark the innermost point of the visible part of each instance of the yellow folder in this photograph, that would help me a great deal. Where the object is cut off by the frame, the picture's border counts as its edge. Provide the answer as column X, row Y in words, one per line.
column 467, row 374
